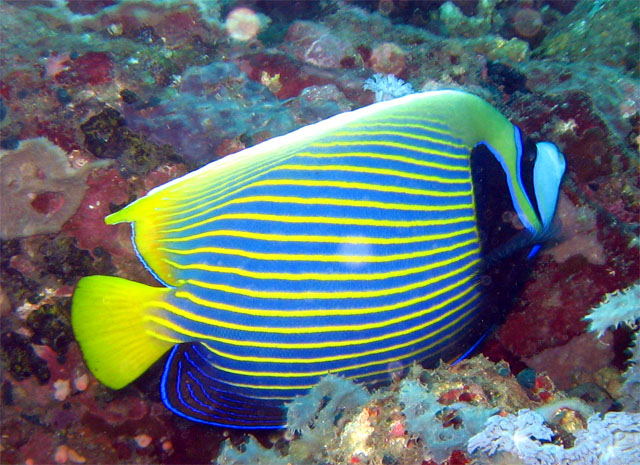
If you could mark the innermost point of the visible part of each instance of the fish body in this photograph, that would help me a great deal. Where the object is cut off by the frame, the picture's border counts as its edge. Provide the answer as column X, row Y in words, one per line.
column 350, row 246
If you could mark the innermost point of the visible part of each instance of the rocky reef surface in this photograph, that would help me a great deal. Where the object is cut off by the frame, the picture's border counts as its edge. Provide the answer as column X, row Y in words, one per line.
column 102, row 100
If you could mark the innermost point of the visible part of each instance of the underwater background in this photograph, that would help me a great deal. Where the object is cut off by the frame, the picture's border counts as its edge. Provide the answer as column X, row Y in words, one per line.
column 100, row 101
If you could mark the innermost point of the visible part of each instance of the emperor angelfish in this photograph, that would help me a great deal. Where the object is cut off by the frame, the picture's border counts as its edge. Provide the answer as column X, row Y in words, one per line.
column 350, row 246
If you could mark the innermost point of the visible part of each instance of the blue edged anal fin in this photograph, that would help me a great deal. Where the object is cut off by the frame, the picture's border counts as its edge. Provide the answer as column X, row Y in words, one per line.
column 191, row 388
column 109, row 320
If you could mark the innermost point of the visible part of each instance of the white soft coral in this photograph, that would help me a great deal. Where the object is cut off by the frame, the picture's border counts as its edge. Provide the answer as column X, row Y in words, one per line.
column 631, row 387
column 387, row 87
column 612, row 440
column 616, row 308
column 622, row 307
column 519, row 435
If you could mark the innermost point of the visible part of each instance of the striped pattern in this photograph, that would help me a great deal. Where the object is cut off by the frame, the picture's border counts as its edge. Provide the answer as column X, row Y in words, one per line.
column 353, row 254
column 349, row 246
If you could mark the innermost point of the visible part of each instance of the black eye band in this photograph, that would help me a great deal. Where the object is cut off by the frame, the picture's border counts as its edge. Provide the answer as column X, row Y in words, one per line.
column 527, row 162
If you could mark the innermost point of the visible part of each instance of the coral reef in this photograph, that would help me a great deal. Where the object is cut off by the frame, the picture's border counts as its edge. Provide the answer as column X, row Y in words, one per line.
column 215, row 103
column 39, row 189
column 317, row 45
column 610, row 440
column 622, row 308
column 100, row 101
column 251, row 453
column 388, row 58
column 585, row 33
column 455, row 22
column 424, row 415
column 313, row 417
column 630, row 390
column 440, row 416
column 619, row 307
column 387, row 87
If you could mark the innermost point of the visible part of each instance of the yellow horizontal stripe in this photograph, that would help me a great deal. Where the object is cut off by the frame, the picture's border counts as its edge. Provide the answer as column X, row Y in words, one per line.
column 361, row 186
column 396, row 145
column 319, row 201
column 390, row 367
column 311, row 257
column 333, row 202
column 402, row 123
column 204, row 201
column 309, row 183
column 400, row 158
column 301, row 374
column 343, row 294
column 190, row 335
column 321, row 239
column 410, row 115
column 322, row 220
column 164, row 337
column 316, row 312
column 346, row 356
column 315, row 276
column 369, row 170
column 221, row 183
column 366, row 131
column 305, row 257
column 290, row 329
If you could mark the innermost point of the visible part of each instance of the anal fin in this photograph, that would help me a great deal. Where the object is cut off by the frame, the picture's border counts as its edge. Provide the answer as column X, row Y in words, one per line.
column 190, row 388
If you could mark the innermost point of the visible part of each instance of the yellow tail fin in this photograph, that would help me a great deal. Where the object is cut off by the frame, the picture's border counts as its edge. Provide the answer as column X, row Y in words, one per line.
column 108, row 319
